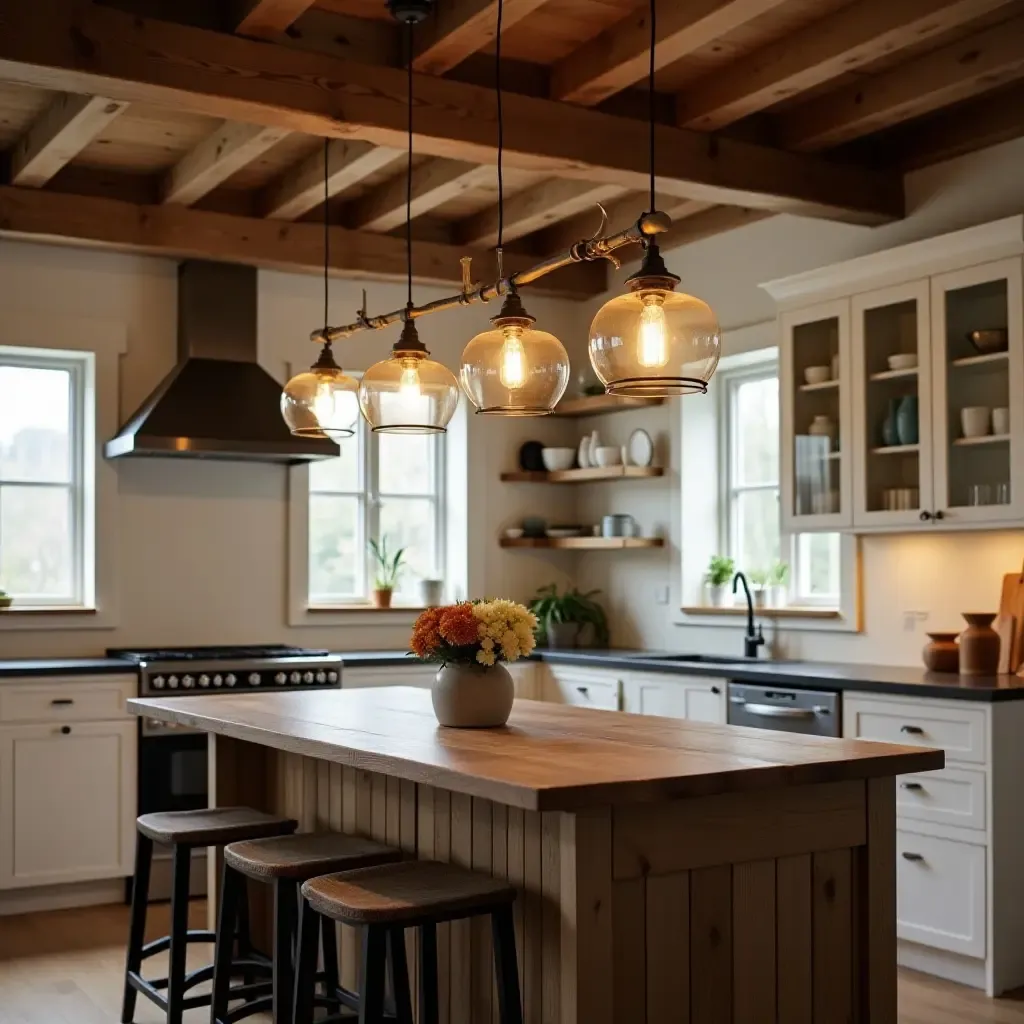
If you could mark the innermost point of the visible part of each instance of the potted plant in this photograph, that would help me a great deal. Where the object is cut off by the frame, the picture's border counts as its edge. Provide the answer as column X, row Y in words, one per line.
column 718, row 578
column 5, row 599
column 759, row 586
column 471, row 641
column 388, row 567
column 778, row 578
column 563, row 617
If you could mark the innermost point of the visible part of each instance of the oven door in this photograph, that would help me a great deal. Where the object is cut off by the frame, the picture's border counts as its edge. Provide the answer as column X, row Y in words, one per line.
column 813, row 712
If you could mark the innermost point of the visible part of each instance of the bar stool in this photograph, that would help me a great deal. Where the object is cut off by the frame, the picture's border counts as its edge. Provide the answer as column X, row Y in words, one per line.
column 182, row 831
column 285, row 863
column 385, row 901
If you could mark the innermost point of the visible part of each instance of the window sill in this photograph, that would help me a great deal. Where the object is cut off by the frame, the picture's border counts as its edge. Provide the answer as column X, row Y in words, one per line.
column 333, row 609
column 789, row 612
column 48, row 609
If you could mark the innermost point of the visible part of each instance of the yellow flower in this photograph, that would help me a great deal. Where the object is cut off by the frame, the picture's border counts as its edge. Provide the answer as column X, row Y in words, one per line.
column 485, row 657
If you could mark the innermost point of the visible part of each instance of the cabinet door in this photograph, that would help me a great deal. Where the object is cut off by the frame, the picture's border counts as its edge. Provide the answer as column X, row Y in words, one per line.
column 979, row 385
column 694, row 698
column 892, row 407
column 816, row 457
column 413, row 673
column 585, row 688
column 67, row 802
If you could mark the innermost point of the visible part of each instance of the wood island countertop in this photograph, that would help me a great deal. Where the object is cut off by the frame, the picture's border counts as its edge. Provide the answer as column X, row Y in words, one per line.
column 549, row 757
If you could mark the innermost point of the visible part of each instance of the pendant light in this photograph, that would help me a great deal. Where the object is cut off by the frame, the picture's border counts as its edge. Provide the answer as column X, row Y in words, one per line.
column 322, row 401
column 512, row 370
column 654, row 341
column 408, row 393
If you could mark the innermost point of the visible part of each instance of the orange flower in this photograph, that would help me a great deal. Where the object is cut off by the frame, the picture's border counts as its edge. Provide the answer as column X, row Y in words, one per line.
column 425, row 637
column 458, row 625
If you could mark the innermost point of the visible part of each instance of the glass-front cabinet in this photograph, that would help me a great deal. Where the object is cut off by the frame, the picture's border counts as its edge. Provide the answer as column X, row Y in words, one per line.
column 815, row 382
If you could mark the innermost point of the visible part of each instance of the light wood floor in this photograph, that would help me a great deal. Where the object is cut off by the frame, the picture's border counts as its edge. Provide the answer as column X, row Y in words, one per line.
column 67, row 968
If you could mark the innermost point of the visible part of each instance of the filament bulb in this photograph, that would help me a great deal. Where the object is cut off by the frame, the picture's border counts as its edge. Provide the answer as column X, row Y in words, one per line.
column 652, row 345
column 513, row 359
column 409, row 382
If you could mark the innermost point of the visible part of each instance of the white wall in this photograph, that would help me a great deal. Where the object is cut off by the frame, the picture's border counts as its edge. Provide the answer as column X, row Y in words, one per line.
column 940, row 575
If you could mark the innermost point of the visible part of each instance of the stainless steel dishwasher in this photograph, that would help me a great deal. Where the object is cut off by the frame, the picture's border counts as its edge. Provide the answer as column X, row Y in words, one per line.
column 814, row 712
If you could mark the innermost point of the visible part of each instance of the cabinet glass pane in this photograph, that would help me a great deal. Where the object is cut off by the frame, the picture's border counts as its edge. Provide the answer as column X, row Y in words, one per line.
column 891, row 356
column 817, row 444
column 977, row 395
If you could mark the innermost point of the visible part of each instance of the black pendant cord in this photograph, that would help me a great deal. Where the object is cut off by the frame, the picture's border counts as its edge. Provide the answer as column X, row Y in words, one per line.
column 408, row 178
column 327, row 233
column 501, row 137
column 650, row 95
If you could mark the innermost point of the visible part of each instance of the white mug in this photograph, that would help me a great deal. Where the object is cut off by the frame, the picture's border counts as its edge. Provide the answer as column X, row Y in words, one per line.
column 1001, row 420
column 976, row 420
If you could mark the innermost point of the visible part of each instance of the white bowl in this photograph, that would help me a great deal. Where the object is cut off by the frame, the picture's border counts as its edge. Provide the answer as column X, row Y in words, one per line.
column 514, row 532
column 558, row 458
column 608, row 455
column 902, row 361
column 817, row 374
column 976, row 420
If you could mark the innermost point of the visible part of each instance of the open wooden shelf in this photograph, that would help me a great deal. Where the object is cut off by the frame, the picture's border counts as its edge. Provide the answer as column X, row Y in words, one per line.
column 583, row 543
column 823, row 386
column 595, row 405
column 897, row 449
column 984, row 439
column 895, row 374
column 982, row 360
column 581, row 476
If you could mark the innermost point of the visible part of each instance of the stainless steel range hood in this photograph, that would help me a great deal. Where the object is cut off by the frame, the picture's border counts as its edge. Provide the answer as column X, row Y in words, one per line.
column 218, row 402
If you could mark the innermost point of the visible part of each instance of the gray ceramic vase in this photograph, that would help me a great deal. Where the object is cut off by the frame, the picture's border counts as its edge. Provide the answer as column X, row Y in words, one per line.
column 906, row 420
column 473, row 696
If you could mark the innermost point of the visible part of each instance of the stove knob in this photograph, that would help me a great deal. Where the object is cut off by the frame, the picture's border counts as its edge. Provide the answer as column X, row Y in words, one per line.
column 204, row 680
column 229, row 679
column 254, row 679
column 321, row 677
column 188, row 682
column 332, row 677
column 296, row 677
column 172, row 682
column 217, row 680
column 281, row 677
column 307, row 677
column 158, row 682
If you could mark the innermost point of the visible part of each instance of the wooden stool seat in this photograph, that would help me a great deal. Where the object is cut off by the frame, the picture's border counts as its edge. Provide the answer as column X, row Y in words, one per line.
column 301, row 857
column 213, row 827
column 405, row 893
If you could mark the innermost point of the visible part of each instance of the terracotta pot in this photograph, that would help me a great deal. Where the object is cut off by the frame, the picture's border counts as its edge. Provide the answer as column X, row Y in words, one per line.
column 382, row 597
column 979, row 645
column 473, row 696
column 941, row 653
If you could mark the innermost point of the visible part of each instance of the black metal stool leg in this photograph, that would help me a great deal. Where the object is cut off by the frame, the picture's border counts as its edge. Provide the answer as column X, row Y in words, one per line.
column 179, row 930
column 330, row 945
column 137, row 930
column 510, row 1007
column 429, row 1011
column 244, row 930
column 371, row 994
column 285, row 910
column 399, row 975
column 230, row 898
column 305, row 964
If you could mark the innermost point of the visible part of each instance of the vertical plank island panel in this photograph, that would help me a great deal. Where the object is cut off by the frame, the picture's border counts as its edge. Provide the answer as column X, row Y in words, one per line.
column 876, row 885
column 711, row 945
column 753, row 942
column 668, row 948
column 629, row 970
column 833, row 924
column 793, row 930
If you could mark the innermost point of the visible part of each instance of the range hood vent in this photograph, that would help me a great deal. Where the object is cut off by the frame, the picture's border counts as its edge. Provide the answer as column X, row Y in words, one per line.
column 217, row 402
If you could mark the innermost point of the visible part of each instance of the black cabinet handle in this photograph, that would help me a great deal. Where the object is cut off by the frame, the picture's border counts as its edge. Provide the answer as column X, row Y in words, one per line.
column 65, row 730
column 716, row 690
column 61, row 702
column 925, row 516
column 911, row 785
column 940, row 514
column 585, row 690
column 912, row 856
column 912, row 730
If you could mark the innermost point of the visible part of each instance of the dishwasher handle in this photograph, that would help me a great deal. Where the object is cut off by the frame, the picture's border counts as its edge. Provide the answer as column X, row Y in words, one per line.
column 774, row 711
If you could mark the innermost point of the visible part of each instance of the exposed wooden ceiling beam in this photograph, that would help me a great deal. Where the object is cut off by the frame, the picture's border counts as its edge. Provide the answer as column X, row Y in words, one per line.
column 460, row 28
column 713, row 221
column 216, row 158
column 85, row 48
column 433, row 184
column 267, row 19
column 534, row 208
column 182, row 232
column 850, row 38
column 302, row 188
column 620, row 56
column 60, row 133
column 954, row 72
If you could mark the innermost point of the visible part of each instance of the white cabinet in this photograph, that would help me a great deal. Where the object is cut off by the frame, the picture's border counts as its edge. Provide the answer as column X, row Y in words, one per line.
column 420, row 675
column 583, row 686
column 695, row 698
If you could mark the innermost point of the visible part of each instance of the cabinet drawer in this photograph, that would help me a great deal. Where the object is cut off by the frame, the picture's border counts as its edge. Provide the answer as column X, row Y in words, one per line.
column 940, row 897
column 93, row 699
column 961, row 732
column 951, row 796
column 587, row 691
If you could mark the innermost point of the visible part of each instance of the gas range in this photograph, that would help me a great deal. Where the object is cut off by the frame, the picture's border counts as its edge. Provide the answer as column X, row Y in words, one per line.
column 194, row 670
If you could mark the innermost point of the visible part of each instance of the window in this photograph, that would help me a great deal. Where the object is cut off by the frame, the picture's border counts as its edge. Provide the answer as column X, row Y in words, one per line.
column 750, row 531
column 381, row 485
column 46, row 477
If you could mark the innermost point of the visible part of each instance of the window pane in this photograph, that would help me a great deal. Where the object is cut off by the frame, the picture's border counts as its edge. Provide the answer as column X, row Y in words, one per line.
column 406, row 463
column 756, row 420
column 36, row 542
column 338, row 474
column 756, row 541
column 335, row 549
column 410, row 523
column 818, row 565
column 35, row 406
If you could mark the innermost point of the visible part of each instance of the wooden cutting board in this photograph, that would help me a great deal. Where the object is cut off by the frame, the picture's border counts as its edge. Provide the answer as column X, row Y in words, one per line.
column 1011, row 605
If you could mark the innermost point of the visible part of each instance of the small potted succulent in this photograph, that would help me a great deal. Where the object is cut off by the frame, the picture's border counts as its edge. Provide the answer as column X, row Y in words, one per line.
column 5, row 600
column 387, row 568
column 718, row 579
column 759, row 586
column 778, row 578
column 563, row 618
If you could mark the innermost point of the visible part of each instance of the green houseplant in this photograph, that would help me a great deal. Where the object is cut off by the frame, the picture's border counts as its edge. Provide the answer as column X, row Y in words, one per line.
column 718, row 578
column 5, row 599
column 562, row 617
column 778, row 578
column 388, row 567
column 759, row 582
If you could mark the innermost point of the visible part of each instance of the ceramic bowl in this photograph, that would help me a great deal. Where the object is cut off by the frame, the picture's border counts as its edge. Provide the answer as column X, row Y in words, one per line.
column 514, row 532
column 556, row 459
column 995, row 339
column 976, row 420
column 817, row 374
column 607, row 455
column 902, row 361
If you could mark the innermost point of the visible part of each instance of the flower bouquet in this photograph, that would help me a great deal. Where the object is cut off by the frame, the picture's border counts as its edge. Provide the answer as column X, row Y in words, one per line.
column 470, row 641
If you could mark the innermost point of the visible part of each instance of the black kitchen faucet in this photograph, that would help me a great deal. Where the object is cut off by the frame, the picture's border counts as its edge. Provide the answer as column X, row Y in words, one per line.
column 753, row 638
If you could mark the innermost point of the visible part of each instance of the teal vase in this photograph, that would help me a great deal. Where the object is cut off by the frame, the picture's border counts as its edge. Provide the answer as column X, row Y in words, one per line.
column 906, row 420
column 890, row 433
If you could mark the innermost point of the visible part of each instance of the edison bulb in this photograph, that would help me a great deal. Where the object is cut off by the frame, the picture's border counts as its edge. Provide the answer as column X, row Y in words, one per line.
column 409, row 382
column 652, row 344
column 513, row 359
column 320, row 402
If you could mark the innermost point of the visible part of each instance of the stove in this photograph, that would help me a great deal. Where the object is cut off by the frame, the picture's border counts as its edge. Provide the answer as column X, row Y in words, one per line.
column 269, row 667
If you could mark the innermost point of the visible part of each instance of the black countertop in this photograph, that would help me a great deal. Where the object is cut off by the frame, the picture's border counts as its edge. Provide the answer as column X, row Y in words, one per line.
column 15, row 667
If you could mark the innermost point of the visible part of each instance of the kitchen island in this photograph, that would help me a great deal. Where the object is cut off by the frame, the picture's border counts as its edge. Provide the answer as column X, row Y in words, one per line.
column 668, row 870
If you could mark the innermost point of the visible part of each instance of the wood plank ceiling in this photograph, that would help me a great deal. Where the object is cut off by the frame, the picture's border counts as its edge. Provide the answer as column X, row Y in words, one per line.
column 197, row 127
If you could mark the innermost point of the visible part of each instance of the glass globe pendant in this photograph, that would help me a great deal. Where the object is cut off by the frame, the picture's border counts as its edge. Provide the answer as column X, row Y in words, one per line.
column 514, row 370
column 409, row 393
column 322, row 401
column 655, row 342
